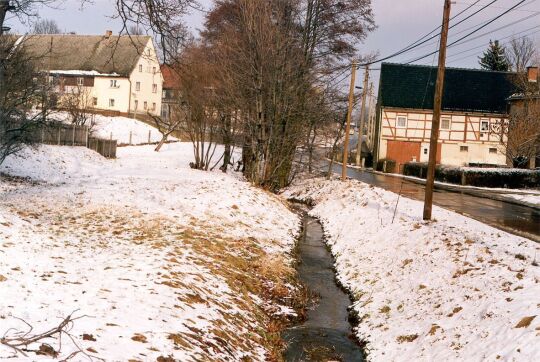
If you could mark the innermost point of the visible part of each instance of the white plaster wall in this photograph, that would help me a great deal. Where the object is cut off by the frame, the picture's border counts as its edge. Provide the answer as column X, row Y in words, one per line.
column 103, row 91
column 147, row 78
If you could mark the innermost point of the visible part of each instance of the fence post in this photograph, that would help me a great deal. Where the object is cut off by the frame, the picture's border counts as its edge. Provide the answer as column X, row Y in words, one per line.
column 130, row 137
column 86, row 137
column 59, row 132
column 149, row 135
column 42, row 134
column 73, row 136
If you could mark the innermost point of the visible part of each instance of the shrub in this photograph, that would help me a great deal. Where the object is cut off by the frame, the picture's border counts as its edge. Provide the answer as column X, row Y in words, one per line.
column 480, row 177
column 390, row 165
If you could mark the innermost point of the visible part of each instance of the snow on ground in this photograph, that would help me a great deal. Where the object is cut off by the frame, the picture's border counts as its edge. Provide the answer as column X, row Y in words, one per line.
column 450, row 290
column 528, row 198
column 120, row 129
column 157, row 259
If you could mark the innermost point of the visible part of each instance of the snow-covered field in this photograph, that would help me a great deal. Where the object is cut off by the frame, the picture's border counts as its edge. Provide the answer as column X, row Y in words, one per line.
column 156, row 259
column 450, row 290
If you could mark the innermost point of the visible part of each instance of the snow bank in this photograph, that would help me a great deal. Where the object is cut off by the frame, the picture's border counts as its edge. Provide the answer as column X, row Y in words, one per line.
column 450, row 290
column 158, row 259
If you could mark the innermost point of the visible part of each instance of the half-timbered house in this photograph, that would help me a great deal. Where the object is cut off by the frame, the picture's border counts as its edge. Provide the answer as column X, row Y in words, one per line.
column 473, row 111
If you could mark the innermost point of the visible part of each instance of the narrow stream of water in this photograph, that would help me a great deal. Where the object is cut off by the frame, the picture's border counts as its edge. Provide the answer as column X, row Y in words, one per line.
column 326, row 335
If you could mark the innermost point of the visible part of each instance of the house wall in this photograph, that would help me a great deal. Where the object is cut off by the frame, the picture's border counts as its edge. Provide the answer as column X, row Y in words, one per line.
column 147, row 72
column 482, row 145
column 104, row 92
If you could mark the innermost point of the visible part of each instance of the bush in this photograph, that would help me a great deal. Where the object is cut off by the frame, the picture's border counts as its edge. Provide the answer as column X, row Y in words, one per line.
column 480, row 177
column 390, row 165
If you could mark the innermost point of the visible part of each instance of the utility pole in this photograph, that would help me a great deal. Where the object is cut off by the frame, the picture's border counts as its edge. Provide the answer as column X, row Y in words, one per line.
column 362, row 115
column 437, row 105
column 348, row 124
column 370, row 115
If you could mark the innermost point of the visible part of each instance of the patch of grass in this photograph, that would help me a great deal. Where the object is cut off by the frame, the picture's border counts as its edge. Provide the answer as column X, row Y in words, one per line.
column 407, row 338
column 525, row 322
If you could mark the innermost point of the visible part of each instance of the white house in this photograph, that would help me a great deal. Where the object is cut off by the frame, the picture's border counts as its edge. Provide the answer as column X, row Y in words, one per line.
column 118, row 74
column 474, row 111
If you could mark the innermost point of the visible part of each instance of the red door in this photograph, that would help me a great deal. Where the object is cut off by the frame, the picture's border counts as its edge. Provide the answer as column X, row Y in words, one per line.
column 403, row 152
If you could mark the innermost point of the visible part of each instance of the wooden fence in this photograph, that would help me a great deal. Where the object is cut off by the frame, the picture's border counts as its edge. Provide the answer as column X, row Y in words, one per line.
column 55, row 133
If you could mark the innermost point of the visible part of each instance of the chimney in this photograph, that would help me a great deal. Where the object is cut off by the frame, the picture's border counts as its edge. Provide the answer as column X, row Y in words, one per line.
column 108, row 34
column 532, row 74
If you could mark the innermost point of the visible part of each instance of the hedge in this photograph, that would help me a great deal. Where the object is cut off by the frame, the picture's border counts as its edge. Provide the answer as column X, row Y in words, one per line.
column 511, row 178
column 390, row 165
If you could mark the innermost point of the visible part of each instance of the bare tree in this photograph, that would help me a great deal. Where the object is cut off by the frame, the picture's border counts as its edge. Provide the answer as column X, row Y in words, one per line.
column 22, row 88
column 522, row 132
column 521, row 52
column 46, row 26
column 168, row 125
column 78, row 103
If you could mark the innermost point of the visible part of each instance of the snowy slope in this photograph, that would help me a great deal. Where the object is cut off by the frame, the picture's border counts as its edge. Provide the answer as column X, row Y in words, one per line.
column 157, row 259
column 120, row 129
column 450, row 290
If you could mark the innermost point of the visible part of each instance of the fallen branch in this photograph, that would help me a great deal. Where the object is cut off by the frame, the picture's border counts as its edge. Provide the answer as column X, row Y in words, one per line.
column 20, row 341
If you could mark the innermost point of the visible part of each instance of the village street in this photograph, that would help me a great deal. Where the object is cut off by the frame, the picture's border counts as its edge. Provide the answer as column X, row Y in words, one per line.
column 512, row 217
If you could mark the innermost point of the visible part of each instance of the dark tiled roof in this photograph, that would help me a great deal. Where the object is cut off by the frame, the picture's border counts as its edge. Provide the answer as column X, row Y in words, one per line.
column 117, row 54
column 469, row 90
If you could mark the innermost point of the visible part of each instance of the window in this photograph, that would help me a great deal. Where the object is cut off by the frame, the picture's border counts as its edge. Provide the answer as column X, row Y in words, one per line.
column 492, row 150
column 425, row 151
column 401, row 122
column 80, row 81
column 145, row 105
column 154, row 70
column 136, row 104
column 154, row 88
column 484, row 125
column 111, row 102
column 94, row 101
column 464, row 148
column 140, row 68
column 138, row 86
column 114, row 83
column 153, row 106
column 445, row 123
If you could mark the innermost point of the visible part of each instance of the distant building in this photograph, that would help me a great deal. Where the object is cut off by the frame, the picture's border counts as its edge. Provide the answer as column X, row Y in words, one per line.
column 117, row 74
column 473, row 110
column 171, row 90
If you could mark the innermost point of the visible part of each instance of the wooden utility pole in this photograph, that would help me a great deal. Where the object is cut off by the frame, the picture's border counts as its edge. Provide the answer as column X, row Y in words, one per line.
column 437, row 105
column 348, row 124
column 362, row 115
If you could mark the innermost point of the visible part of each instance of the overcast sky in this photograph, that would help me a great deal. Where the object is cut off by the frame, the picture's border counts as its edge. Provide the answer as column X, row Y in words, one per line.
column 400, row 22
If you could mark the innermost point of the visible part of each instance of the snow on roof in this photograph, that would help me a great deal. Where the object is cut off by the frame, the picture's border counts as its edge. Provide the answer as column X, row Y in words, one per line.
column 93, row 73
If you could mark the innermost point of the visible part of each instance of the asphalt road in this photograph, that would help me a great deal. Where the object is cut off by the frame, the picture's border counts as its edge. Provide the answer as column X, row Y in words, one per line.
column 516, row 219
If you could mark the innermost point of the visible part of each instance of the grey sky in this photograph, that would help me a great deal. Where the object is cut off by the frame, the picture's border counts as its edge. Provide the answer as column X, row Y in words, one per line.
column 400, row 22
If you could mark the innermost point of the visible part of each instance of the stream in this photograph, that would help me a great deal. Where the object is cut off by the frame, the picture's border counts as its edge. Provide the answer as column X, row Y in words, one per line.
column 326, row 334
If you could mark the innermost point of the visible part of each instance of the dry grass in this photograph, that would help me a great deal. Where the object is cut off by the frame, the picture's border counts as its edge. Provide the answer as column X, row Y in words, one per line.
column 407, row 338
column 525, row 322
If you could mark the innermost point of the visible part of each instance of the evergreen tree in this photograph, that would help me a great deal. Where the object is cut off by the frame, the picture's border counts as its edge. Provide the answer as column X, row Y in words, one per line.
column 495, row 58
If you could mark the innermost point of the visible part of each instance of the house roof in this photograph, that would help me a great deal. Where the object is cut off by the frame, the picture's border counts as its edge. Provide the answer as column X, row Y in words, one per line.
column 171, row 78
column 468, row 90
column 86, row 53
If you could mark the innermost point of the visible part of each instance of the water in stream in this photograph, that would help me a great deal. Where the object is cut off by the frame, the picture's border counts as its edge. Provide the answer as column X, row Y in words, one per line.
column 326, row 333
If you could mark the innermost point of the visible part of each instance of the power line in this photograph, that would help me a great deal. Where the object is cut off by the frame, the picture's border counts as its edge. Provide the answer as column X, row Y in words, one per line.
column 503, row 38
column 472, row 55
column 486, row 23
column 472, row 32
column 422, row 40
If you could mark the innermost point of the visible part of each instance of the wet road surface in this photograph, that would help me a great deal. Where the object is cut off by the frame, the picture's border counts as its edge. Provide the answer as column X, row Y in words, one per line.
column 517, row 219
column 326, row 333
